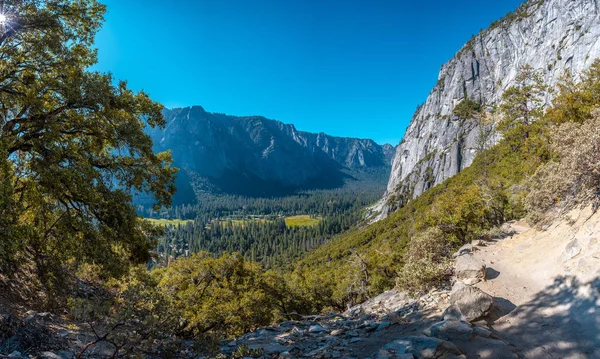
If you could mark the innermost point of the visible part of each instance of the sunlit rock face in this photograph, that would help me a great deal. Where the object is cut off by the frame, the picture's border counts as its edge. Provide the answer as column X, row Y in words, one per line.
column 552, row 36
column 261, row 157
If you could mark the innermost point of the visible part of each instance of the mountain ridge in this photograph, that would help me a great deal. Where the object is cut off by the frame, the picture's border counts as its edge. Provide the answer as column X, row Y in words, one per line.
column 253, row 155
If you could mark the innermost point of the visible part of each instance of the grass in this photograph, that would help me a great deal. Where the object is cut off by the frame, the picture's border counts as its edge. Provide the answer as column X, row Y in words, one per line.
column 292, row 221
column 169, row 222
column 301, row 221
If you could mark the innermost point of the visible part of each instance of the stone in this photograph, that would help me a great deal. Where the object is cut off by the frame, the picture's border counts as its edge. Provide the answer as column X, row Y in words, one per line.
column 450, row 330
column 571, row 251
column 16, row 355
column 385, row 355
column 316, row 329
column 487, row 348
column 453, row 313
column 40, row 317
column 353, row 333
column 466, row 249
column 355, row 340
column 469, row 270
column 420, row 348
column 337, row 332
column 387, row 302
column 315, row 352
column 473, row 303
column 478, row 243
column 49, row 355
column 481, row 332
column 270, row 348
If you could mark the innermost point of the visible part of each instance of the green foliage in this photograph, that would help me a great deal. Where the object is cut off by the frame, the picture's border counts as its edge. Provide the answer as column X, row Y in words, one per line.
column 426, row 261
column 523, row 103
column 364, row 262
column 574, row 139
column 223, row 296
column 73, row 146
column 577, row 100
column 467, row 108
column 271, row 241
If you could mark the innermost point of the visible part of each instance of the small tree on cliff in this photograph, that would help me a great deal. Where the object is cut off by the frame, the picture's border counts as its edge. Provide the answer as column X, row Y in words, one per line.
column 523, row 103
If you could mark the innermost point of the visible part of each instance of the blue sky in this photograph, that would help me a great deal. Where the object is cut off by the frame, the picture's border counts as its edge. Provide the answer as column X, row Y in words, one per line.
column 346, row 68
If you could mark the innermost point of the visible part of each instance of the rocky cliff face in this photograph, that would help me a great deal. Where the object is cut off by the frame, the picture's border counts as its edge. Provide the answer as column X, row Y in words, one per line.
column 552, row 36
column 258, row 156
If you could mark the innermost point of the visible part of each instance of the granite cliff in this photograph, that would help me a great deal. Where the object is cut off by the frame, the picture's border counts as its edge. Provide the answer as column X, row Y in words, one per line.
column 552, row 36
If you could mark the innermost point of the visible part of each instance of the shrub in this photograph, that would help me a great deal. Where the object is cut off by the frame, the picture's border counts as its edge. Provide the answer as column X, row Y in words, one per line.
column 573, row 174
column 217, row 297
column 426, row 261
column 466, row 109
column 131, row 315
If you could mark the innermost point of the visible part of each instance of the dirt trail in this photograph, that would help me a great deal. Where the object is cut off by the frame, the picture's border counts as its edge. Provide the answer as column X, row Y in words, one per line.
column 547, row 285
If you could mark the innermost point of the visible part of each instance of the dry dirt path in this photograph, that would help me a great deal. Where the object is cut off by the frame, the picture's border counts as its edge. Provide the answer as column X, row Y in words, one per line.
column 547, row 285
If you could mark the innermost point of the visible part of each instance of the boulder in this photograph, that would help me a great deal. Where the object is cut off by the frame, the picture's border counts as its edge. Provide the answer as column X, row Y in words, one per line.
column 571, row 251
column 450, row 330
column 420, row 348
column 453, row 313
column 469, row 270
column 473, row 303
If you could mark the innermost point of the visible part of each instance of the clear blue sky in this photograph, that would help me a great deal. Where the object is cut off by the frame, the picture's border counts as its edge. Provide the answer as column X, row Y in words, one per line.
column 346, row 68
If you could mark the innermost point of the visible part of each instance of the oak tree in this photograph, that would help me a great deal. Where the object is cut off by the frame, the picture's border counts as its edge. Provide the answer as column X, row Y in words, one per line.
column 72, row 144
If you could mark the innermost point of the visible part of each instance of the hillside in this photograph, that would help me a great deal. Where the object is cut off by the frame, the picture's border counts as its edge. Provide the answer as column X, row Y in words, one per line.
column 255, row 156
column 551, row 36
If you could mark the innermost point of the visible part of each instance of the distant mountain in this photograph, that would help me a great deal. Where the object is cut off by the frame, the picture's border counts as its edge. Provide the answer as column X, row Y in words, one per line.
column 256, row 156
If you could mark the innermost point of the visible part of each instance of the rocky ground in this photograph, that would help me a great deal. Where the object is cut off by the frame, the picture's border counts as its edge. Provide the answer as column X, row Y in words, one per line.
column 526, row 294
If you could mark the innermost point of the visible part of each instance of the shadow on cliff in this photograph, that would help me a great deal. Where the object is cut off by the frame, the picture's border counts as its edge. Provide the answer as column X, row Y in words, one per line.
column 562, row 321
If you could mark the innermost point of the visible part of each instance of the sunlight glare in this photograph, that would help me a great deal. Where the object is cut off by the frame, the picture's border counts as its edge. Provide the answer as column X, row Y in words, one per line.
column 3, row 19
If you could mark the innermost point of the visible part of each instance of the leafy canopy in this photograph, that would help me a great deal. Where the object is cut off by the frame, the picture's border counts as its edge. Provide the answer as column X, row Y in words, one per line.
column 72, row 144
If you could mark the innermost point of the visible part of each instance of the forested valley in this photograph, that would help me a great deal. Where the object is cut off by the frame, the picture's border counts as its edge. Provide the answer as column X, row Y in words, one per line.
column 261, row 229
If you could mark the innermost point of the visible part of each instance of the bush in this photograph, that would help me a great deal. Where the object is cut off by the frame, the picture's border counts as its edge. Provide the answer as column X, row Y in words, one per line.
column 575, row 172
column 217, row 297
column 131, row 315
column 466, row 109
column 426, row 261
